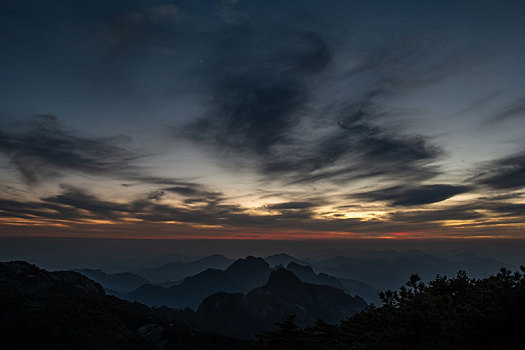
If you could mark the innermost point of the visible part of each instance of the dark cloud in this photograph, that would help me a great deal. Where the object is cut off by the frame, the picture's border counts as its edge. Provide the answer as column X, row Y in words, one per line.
column 459, row 213
column 315, row 58
column 195, row 193
column 505, row 173
column 140, row 177
column 259, row 87
column 408, row 196
column 515, row 109
column 79, row 199
column 482, row 102
column 504, row 208
column 37, row 210
column 75, row 206
column 495, row 209
column 250, row 116
column 293, row 205
column 264, row 110
column 355, row 148
column 42, row 148
column 156, row 194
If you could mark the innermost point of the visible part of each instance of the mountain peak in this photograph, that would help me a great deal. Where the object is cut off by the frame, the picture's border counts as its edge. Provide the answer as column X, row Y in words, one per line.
column 249, row 262
column 281, row 277
column 293, row 266
column 280, row 259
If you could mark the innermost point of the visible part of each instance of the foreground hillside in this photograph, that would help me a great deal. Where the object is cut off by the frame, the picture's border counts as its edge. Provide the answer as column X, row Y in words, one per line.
column 447, row 313
column 65, row 310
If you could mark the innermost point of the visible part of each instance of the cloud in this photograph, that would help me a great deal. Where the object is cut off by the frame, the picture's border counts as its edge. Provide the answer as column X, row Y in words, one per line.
column 515, row 109
column 195, row 193
column 41, row 148
column 256, row 103
column 79, row 199
column 36, row 210
column 292, row 205
column 353, row 148
column 315, row 58
column 507, row 173
column 249, row 116
column 156, row 194
column 79, row 210
column 456, row 213
column 264, row 110
column 409, row 196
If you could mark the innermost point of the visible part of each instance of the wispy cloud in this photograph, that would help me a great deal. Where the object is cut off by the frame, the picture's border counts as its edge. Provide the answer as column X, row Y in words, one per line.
column 513, row 110
column 41, row 148
column 504, row 173
column 264, row 109
column 410, row 196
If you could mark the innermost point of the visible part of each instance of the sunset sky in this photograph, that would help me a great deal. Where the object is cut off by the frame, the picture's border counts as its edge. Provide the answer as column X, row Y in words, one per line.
column 262, row 119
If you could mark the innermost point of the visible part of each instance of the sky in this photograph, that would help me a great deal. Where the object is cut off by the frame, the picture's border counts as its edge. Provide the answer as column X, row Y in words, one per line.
column 237, row 119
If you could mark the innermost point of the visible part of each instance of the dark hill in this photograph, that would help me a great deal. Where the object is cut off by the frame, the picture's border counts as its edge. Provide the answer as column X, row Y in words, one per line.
column 283, row 295
column 365, row 291
column 178, row 270
column 458, row 313
column 307, row 274
column 66, row 310
column 120, row 282
column 242, row 276
column 387, row 270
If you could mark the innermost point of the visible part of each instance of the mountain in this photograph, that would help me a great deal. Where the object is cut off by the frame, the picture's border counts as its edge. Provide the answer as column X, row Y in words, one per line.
column 66, row 310
column 241, row 276
column 282, row 259
column 446, row 314
column 179, row 270
column 306, row 274
column 352, row 287
column 365, row 291
column 388, row 269
column 283, row 295
column 118, row 282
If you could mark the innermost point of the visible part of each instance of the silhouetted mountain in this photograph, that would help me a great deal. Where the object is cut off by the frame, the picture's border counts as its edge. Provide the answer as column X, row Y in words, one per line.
column 307, row 274
column 178, row 270
column 365, row 291
column 241, row 276
column 446, row 314
column 352, row 287
column 117, row 282
column 66, row 310
column 282, row 259
column 283, row 295
column 387, row 270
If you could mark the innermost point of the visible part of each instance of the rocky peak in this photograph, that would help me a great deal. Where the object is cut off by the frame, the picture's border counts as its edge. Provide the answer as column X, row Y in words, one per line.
column 293, row 266
column 283, row 277
column 249, row 263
